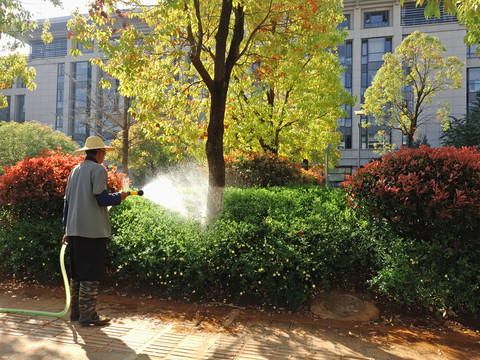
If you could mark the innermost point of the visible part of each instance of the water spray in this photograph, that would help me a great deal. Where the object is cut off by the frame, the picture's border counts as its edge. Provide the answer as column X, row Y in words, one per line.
column 181, row 189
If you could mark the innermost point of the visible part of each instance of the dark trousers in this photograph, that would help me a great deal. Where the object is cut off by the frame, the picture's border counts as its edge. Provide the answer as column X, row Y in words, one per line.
column 87, row 258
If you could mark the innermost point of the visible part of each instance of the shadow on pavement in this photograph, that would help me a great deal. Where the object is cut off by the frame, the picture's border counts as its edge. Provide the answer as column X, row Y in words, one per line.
column 295, row 342
column 104, row 343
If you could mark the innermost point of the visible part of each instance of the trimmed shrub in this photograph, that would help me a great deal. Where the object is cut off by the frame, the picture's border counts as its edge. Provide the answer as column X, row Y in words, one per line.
column 430, row 198
column 428, row 274
column 422, row 193
column 150, row 243
column 266, row 169
column 271, row 246
column 36, row 187
column 281, row 244
column 31, row 207
column 29, row 247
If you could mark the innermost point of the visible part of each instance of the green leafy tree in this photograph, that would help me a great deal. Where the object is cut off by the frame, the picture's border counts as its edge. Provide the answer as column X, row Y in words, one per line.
column 29, row 139
column 467, row 12
column 181, row 66
column 464, row 131
column 16, row 21
column 110, row 113
column 290, row 95
column 408, row 80
column 147, row 154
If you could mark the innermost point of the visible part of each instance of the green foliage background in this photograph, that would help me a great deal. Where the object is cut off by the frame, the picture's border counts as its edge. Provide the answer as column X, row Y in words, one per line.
column 29, row 139
column 464, row 131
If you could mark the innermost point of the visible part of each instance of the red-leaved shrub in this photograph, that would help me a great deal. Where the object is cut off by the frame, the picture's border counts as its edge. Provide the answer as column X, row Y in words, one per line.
column 422, row 193
column 266, row 169
column 37, row 186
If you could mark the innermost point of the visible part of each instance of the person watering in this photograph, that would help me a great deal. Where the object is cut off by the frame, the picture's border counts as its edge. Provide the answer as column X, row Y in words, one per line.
column 87, row 230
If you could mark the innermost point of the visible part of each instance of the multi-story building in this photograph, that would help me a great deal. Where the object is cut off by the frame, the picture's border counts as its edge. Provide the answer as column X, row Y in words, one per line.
column 67, row 86
column 375, row 28
column 67, row 96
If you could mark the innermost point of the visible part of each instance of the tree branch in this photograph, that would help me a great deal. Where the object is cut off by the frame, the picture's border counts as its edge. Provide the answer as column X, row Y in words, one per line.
column 254, row 32
column 196, row 47
column 238, row 30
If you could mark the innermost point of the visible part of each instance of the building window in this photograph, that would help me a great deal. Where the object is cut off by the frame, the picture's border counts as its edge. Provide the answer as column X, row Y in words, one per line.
column 40, row 50
column 473, row 78
column 345, row 124
column 372, row 60
column 472, row 51
column 60, row 96
column 374, row 19
column 374, row 49
column 5, row 111
column 412, row 15
column 372, row 140
column 20, row 108
column 345, row 53
column 81, row 92
column 20, row 83
column 345, row 24
column 85, row 49
column 346, row 142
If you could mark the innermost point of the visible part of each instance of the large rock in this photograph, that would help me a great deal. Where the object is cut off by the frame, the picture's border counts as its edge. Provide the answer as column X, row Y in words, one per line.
column 347, row 307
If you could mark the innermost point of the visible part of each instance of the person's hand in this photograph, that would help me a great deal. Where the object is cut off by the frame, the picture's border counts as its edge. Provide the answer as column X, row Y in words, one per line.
column 124, row 195
column 65, row 240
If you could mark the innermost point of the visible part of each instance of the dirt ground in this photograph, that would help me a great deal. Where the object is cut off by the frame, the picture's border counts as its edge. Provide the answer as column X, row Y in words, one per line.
column 211, row 315
column 395, row 333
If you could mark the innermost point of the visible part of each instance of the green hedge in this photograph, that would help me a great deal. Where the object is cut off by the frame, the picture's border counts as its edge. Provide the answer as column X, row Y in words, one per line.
column 272, row 245
column 30, row 247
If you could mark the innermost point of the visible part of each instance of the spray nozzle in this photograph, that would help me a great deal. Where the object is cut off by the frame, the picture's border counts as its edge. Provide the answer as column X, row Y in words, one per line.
column 139, row 192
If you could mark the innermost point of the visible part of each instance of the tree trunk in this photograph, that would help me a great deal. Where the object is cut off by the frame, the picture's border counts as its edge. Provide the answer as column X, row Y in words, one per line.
column 218, row 87
column 214, row 151
column 125, row 140
column 411, row 133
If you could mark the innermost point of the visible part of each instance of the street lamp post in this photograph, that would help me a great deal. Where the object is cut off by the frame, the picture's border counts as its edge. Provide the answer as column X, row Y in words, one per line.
column 360, row 113
column 329, row 147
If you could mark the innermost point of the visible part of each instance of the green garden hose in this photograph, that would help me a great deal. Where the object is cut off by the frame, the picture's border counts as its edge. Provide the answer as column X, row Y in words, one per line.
column 67, row 293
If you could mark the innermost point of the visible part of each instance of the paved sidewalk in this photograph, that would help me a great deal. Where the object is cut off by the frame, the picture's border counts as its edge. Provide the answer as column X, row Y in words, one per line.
column 148, row 329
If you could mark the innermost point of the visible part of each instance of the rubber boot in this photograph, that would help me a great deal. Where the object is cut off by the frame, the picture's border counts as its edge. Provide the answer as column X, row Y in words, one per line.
column 74, row 297
column 88, row 304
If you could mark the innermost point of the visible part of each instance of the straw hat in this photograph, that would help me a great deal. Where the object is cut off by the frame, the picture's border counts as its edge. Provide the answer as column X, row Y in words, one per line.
column 94, row 142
